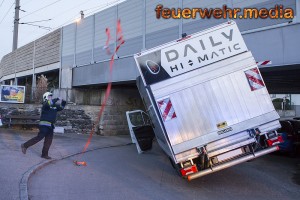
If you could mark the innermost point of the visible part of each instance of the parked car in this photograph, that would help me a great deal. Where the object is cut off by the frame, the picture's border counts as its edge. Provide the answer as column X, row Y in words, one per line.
column 290, row 132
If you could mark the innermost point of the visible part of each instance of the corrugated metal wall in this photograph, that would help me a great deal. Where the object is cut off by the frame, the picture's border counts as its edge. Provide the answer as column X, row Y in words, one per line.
column 160, row 31
column 248, row 24
column 194, row 25
column 8, row 63
column 43, row 51
column 131, row 20
column 190, row 26
column 47, row 49
column 82, row 43
column 104, row 19
column 280, row 45
column 24, row 57
column 142, row 30
column 68, row 46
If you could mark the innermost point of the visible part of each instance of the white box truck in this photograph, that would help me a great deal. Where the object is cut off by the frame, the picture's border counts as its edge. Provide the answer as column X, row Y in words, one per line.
column 208, row 104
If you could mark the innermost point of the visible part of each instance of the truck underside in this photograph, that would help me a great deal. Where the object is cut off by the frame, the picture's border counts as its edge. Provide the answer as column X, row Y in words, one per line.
column 213, row 157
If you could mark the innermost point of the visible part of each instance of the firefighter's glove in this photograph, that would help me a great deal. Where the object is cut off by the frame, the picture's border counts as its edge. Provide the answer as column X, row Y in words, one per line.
column 55, row 100
column 63, row 103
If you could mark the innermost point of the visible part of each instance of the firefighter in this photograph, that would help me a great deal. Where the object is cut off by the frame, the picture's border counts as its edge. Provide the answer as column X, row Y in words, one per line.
column 46, row 125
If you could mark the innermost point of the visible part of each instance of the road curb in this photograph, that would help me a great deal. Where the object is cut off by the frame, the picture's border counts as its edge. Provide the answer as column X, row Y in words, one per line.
column 24, row 180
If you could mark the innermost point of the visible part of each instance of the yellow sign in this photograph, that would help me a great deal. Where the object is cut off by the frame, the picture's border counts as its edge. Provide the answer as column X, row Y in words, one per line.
column 12, row 94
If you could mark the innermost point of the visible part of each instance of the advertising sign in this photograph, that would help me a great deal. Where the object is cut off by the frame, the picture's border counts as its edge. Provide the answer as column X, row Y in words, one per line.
column 12, row 94
column 192, row 53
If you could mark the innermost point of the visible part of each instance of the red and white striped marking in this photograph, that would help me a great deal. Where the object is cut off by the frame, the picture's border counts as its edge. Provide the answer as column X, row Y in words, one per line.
column 254, row 79
column 166, row 109
column 265, row 62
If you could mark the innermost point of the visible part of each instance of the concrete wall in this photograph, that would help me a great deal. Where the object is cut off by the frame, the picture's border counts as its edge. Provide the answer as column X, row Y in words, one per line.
column 124, row 69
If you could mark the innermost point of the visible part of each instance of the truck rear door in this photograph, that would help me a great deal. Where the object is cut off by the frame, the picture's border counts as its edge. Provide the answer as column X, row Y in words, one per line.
column 200, row 107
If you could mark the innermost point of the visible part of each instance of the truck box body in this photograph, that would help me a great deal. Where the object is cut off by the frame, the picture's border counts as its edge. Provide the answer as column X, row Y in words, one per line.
column 205, row 91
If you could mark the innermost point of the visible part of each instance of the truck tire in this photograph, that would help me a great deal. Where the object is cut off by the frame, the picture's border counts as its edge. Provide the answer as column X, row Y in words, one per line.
column 175, row 166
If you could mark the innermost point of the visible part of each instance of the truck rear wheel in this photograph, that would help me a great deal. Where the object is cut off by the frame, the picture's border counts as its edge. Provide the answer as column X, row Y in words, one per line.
column 175, row 166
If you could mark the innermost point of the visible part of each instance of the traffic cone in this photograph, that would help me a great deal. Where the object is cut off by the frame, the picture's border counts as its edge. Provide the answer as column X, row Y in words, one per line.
column 80, row 163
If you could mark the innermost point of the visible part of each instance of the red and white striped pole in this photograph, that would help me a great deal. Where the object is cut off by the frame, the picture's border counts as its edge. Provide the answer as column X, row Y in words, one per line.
column 265, row 62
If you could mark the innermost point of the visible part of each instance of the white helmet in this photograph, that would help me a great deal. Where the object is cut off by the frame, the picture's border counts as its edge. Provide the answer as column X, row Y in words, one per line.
column 45, row 96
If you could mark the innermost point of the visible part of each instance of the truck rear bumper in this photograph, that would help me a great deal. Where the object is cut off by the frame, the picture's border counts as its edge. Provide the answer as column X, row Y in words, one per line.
column 232, row 163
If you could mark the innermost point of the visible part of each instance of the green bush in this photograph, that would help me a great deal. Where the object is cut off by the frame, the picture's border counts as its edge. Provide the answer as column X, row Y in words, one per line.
column 278, row 104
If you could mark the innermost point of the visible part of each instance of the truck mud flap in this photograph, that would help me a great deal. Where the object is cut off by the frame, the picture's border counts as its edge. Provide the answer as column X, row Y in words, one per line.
column 144, row 136
column 232, row 163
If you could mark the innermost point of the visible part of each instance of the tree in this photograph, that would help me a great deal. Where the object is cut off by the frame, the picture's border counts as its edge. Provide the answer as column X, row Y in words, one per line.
column 41, row 88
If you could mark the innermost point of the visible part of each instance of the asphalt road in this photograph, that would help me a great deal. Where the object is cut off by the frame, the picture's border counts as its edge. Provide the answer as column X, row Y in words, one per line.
column 121, row 173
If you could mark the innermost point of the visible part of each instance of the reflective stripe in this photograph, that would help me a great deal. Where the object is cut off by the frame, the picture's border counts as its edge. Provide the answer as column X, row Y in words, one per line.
column 45, row 123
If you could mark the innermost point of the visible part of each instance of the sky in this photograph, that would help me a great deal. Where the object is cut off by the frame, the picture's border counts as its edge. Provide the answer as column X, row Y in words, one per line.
column 43, row 16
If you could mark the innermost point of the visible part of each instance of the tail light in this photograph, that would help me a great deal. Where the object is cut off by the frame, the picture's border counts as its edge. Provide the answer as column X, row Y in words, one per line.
column 274, row 141
column 189, row 170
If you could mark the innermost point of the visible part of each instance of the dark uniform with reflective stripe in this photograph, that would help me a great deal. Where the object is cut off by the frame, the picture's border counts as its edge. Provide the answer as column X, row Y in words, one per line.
column 46, row 125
